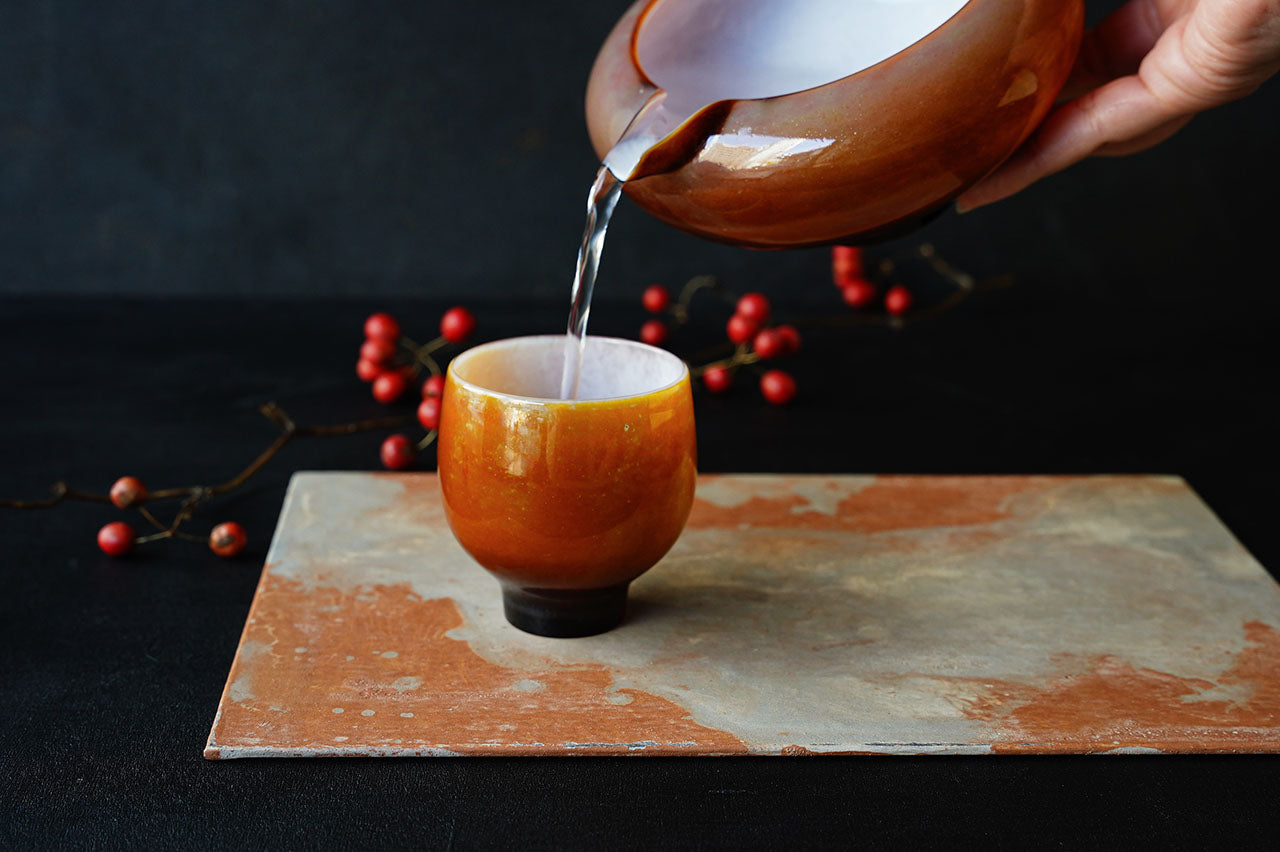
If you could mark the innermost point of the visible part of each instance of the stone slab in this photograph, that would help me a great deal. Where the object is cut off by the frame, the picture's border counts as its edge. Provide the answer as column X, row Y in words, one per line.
column 796, row 615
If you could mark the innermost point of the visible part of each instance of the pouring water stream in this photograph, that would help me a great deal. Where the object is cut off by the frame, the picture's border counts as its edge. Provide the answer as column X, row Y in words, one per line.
column 698, row 53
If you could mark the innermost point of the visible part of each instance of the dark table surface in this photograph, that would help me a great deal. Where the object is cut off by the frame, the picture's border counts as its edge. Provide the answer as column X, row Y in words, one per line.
column 113, row 668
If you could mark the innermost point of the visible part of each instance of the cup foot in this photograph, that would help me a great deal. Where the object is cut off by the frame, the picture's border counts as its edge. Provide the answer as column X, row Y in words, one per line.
column 565, row 613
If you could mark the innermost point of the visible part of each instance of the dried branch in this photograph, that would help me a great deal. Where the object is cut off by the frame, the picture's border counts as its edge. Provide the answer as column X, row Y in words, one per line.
column 196, row 494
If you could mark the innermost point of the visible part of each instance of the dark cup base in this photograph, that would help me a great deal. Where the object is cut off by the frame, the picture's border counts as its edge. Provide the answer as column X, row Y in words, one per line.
column 565, row 613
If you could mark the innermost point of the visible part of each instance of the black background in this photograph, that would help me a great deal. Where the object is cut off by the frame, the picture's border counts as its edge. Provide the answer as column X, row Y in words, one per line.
column 252, row 157
column 113, row 668
column 431, row 149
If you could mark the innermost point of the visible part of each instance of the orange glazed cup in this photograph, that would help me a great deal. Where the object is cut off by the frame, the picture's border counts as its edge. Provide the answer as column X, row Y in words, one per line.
column 567, row 501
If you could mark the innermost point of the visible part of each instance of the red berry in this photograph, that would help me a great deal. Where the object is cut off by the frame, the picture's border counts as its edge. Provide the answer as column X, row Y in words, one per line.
column 654, row 332
column 656, row 298
column 367, row 370
column 397, row 452
column 377, row 350
column 741, row 328
column 769, row 344
column 778, row 387
column 898, row 300
column 754, row 306
column 128, row 491
column 389, row 386
column 457, row 324
column 859, row 293
column 717, row 379
column 846, row 264
column 116, row 538
column 382, row 327
column 228, row 539
column 790, row 339
column 433, row 386
column 429, row 413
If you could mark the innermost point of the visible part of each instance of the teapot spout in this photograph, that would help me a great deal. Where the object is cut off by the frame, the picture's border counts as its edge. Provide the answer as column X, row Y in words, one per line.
column 663, row 137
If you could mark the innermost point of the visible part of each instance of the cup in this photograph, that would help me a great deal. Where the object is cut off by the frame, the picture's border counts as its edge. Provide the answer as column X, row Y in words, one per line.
column 566, row 502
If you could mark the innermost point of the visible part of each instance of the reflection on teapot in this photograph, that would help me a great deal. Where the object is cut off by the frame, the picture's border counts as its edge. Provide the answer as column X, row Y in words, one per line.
column 785, row 123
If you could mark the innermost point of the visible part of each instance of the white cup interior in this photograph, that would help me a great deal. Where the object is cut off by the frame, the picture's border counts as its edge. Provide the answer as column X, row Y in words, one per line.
column 702, row 51
column 531, row 368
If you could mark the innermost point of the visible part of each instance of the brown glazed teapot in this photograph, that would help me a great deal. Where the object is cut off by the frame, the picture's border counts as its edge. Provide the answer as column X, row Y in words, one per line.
column 786, row 123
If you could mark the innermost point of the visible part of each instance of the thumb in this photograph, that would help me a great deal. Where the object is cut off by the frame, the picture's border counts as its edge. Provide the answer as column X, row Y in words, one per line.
column 1112, row 117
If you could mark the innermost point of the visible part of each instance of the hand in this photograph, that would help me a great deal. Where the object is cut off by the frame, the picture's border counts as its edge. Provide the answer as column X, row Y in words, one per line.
column 1140, row 77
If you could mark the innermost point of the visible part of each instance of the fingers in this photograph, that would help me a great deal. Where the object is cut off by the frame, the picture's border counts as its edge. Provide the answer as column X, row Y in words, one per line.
column 1177, row 58
column 1116, row 48
column 1224, row 52
column 1122, row 112
column 1145, row 141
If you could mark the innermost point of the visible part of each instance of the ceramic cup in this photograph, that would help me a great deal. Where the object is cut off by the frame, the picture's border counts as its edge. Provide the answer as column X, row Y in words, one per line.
column 566, row 502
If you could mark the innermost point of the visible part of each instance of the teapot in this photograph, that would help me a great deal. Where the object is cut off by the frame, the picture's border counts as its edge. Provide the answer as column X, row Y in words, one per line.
column 789, row 123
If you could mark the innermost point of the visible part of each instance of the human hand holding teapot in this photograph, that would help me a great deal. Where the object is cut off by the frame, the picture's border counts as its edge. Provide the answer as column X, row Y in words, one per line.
column 1145, row 72
column 786, row 123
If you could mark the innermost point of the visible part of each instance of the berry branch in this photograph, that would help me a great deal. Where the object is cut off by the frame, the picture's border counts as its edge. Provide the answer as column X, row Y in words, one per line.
column 388, row 360
column 751, row 339
column 226, row 539
column 138, row 496
column 391, row 361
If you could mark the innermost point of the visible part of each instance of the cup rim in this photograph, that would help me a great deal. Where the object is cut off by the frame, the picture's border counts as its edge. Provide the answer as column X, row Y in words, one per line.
column 537, row 400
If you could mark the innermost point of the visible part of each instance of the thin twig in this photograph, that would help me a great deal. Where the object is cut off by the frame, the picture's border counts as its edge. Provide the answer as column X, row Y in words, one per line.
column 421, row 353
column 961, row 279
column 196, row 494
column 155, row 522
column 680, row 310
column 60, row 491
column 741, row 356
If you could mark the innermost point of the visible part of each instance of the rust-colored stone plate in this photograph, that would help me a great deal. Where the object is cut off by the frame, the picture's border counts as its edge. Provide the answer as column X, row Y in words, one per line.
column 796, row 615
